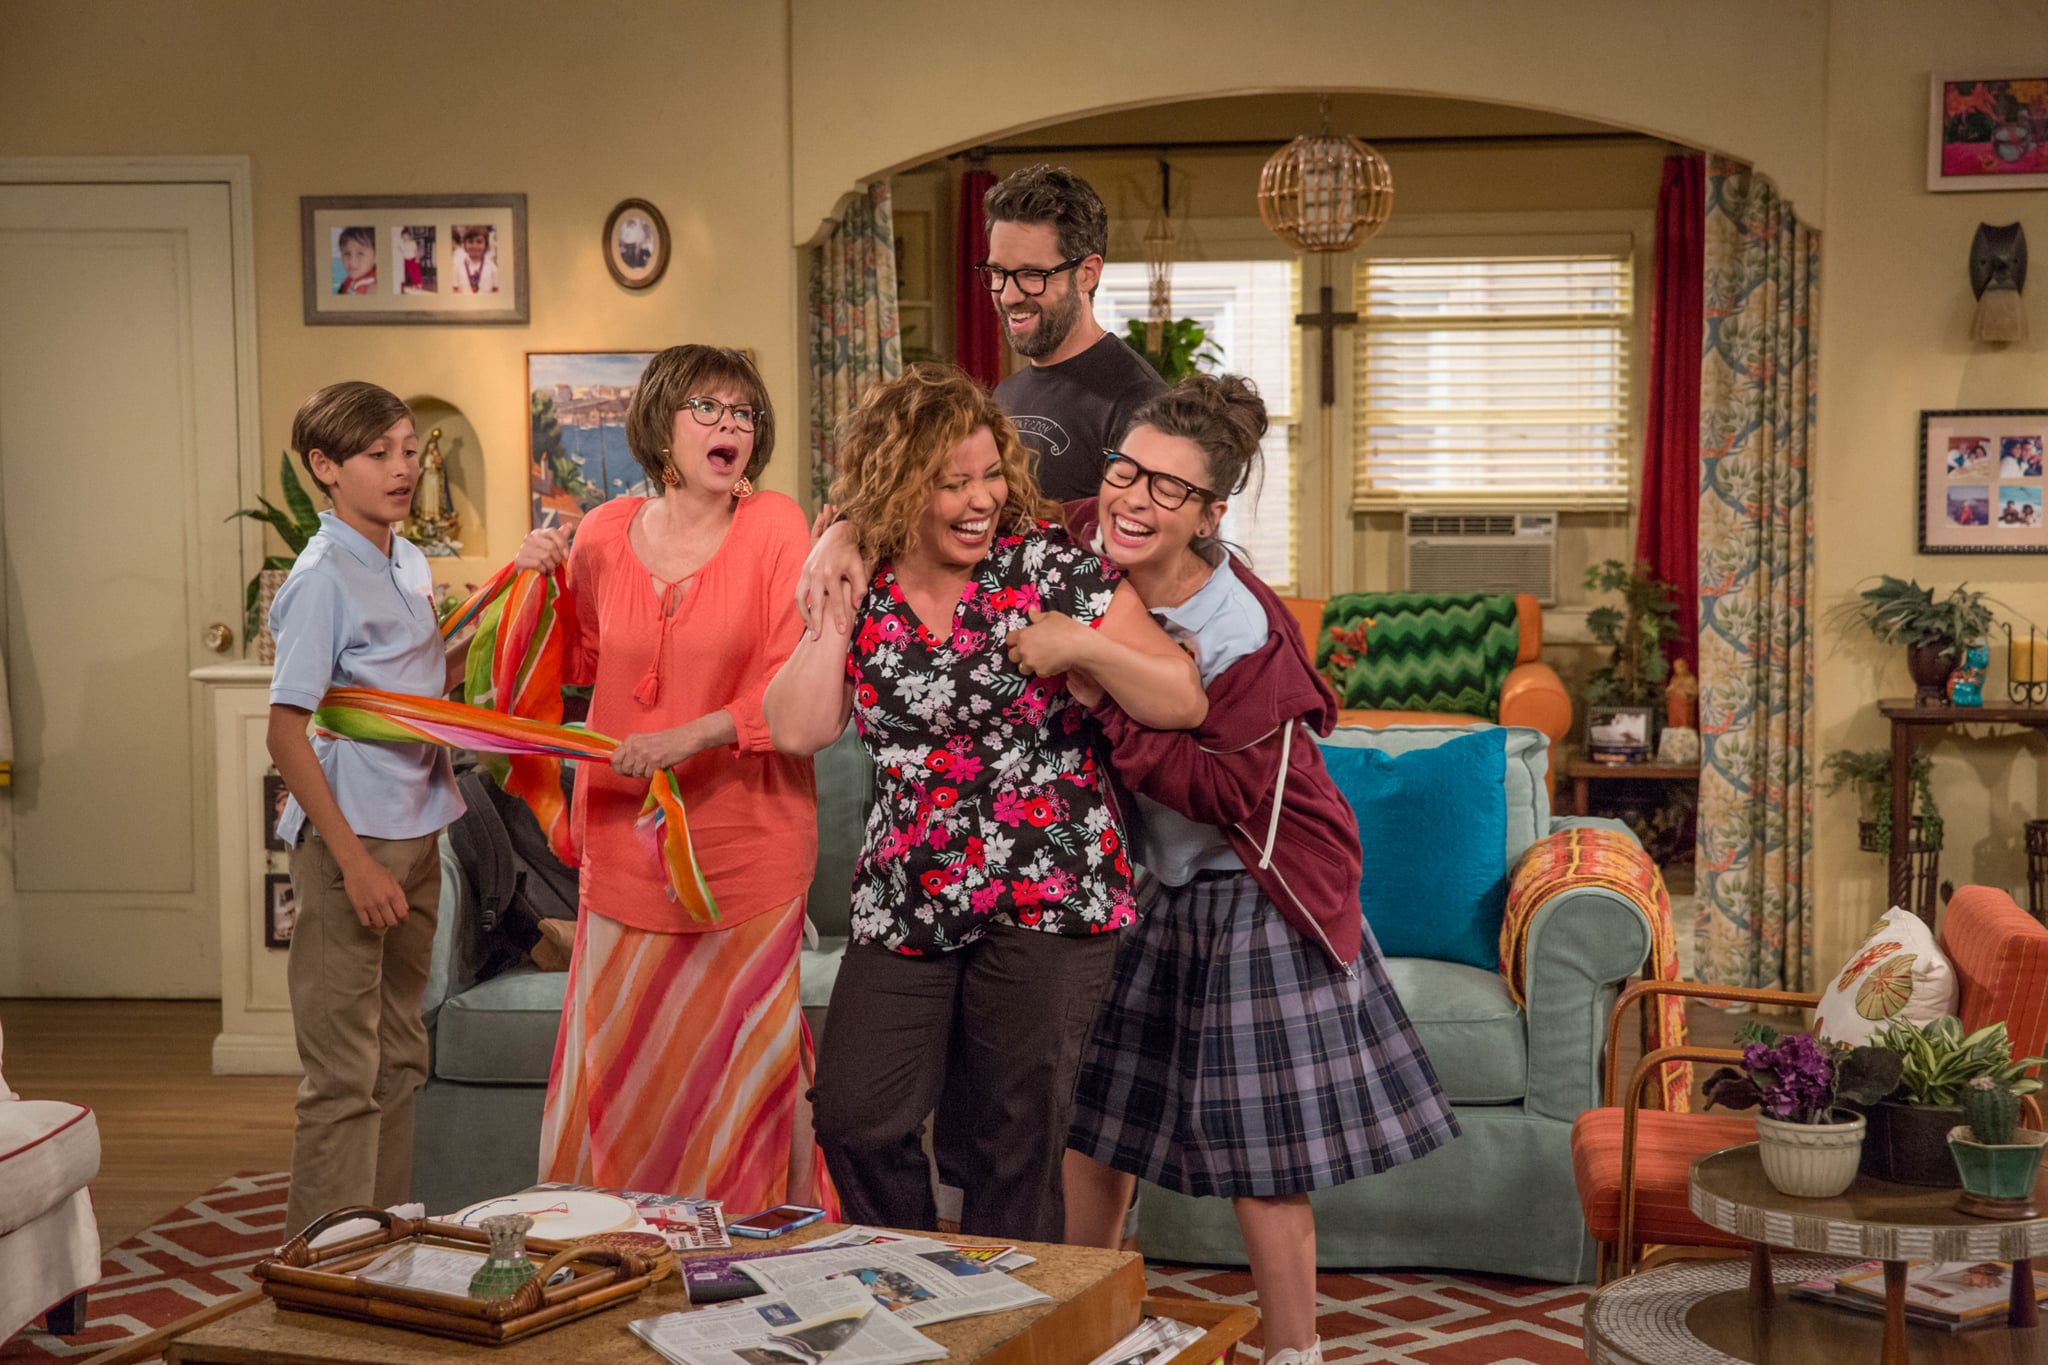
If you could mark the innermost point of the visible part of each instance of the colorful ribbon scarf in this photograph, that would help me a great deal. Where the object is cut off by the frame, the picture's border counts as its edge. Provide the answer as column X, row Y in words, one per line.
column 514, row 682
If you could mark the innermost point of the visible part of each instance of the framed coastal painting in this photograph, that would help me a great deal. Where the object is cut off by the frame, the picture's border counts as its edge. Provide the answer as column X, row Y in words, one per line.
column 576, row 453
column 1981, row 482
column 390, row 258
column 1988, row 133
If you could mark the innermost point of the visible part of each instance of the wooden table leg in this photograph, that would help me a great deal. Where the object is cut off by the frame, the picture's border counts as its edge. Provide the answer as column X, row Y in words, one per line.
column 1899, row 860
column 2025, row 1312
column 1582, row 796
column 1761, row 1287
column 1894, row 1349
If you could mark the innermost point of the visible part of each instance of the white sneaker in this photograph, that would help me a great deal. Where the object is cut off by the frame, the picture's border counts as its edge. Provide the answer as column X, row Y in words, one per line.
column 1312, row 1356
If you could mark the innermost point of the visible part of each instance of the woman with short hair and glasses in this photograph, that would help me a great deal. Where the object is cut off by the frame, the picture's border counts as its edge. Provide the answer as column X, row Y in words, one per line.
column 680, row 1065
column 1250, row 1046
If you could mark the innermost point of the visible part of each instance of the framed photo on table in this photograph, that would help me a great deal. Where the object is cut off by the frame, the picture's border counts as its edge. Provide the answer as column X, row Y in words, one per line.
column 407, row 259
column 1981, row 482
column 1988, row 132
column 1619, row 734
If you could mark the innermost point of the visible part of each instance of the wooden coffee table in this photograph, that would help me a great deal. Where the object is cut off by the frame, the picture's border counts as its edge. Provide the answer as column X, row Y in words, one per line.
column 1693, row 1314
column 1097, row 1296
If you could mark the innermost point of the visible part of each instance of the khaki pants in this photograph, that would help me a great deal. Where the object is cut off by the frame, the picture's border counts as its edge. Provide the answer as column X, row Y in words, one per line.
column 356, row 996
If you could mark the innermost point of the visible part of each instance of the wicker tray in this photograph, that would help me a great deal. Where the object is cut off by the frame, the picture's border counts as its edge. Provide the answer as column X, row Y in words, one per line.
column 299, row 1278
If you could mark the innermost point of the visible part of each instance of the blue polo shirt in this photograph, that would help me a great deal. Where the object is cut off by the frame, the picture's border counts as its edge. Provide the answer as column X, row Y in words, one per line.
column 351, row 616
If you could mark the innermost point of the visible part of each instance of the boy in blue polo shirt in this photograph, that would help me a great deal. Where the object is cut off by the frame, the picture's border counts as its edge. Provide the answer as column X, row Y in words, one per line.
column 358, row 611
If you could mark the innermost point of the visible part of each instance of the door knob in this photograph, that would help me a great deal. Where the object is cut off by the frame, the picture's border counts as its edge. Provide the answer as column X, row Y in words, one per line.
column 219, row 638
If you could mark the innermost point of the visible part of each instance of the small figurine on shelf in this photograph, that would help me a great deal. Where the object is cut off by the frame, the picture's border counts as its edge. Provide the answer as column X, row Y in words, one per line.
column 1681, row 696
column 1966, row 684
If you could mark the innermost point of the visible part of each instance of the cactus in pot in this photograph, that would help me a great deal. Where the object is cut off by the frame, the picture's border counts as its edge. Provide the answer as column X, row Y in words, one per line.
column 1994, row 1111
column 1998, row 1160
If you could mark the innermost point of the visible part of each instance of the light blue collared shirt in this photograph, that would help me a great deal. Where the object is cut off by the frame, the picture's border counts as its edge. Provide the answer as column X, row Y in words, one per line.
column 351, row 616
column 1221, row 622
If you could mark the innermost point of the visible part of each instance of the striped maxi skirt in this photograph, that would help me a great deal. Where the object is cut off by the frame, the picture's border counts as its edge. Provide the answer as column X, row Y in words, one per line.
column 679, row 1062
column 1231, row 1057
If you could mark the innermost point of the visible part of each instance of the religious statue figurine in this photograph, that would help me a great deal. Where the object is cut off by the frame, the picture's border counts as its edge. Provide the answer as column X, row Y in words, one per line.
column 1681, row 697
column 1966, row 684
column 433, row 523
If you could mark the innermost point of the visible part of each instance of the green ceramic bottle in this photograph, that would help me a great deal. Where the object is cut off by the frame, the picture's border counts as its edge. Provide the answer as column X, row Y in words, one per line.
column 507, row 1267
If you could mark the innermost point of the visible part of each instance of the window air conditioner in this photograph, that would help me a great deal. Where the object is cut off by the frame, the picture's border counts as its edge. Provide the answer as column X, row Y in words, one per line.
column 1483, row 552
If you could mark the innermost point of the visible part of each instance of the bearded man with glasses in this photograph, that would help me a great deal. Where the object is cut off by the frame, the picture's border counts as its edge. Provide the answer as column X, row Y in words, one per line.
column 1047, row 235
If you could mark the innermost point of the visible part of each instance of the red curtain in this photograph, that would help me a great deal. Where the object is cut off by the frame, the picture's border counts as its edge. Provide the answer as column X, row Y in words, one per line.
column 1667, row 531
column 978, row 349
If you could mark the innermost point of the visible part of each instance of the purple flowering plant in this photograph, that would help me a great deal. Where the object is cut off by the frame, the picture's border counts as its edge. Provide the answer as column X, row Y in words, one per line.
column 1798, row 1078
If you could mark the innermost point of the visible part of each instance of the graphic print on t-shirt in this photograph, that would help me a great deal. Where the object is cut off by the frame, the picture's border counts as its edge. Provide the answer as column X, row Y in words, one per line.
column 1043, row 434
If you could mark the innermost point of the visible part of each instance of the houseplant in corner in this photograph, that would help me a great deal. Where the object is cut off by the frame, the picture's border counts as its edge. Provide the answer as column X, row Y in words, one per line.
column 1808, row 1144
column 1935, row 631
column 1868, row 773
column 297, row 522
column 1908, row 1135
column 1998, row 1159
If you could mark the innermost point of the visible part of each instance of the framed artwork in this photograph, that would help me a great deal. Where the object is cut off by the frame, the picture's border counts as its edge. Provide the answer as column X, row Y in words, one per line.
column 1981, row 482
column 636, row 243
column 1988, row 133
column 1619, row 734
column 274, row 796
column 914, row 256
column 393, row 258
column 280, row 910
column 576, row 453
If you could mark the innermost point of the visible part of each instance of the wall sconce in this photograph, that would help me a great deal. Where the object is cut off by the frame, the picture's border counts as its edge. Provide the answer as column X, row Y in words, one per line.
column 1998, row 272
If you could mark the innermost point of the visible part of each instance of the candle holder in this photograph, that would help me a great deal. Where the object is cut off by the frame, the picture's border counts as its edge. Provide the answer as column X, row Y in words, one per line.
column 2026, row 668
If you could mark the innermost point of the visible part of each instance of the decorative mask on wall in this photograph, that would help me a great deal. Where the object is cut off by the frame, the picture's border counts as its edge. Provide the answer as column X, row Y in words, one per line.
column 1998, row 272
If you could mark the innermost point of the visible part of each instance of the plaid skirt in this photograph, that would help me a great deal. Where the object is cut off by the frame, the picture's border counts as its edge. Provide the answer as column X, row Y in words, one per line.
column 1232, row 1058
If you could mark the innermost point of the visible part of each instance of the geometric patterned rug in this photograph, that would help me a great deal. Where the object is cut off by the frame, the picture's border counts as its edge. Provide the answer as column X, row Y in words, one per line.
column 203, row 1253
column 199, row 1255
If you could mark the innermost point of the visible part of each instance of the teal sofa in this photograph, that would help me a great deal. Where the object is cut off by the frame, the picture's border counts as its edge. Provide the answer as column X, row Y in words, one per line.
column 1500, row 1198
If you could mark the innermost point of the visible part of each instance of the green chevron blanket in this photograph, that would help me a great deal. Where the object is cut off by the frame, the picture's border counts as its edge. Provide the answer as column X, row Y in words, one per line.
column 1421, row 651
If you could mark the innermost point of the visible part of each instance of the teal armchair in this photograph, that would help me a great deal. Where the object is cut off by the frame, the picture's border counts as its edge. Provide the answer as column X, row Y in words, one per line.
column 1500, row 1198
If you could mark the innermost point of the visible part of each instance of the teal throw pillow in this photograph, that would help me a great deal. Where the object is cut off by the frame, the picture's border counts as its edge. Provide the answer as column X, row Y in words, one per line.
column 1433, row 826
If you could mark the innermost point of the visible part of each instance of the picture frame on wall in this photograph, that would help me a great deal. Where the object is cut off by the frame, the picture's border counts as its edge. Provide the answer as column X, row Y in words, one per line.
column 274, row 795
column 914, row 282
column 1987, row 132
column 577, row 456
column 636, row 245
column 401, row 259
column 1981, row 481
column 280, row 910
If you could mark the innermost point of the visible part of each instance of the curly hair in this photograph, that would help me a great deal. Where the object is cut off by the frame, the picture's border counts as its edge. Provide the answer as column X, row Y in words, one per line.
column 896, row 444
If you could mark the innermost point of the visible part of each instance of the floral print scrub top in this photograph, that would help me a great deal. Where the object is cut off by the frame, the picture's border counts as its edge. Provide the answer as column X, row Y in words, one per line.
column 991, row 801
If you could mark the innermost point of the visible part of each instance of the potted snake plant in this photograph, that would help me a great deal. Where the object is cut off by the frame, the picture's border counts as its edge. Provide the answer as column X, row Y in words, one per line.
column 1907, row 1142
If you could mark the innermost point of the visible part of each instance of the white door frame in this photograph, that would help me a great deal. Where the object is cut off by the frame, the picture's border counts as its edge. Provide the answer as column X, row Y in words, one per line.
column 233, row 172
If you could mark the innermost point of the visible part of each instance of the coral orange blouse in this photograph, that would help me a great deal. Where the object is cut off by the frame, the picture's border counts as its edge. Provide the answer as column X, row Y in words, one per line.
column 658, row 655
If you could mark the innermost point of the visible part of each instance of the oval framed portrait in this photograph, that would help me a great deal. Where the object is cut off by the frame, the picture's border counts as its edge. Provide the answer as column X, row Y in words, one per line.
column 636, row 243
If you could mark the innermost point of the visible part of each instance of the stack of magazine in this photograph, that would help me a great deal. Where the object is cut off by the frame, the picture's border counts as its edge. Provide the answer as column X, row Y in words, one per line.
column 860, row 1302
column 1951, row 1295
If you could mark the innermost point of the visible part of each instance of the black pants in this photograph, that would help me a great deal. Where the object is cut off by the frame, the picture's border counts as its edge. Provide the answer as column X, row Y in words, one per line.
column 1015, row 1009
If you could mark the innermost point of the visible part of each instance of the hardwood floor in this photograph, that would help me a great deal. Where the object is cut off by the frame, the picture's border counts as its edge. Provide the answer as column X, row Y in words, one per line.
column 169, row 1128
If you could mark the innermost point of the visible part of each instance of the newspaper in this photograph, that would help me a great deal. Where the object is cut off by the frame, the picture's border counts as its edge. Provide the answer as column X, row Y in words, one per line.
column 919, row 1281
column 1002, row 1258
column 835, row 1318
column 1151, row 1342
column 686, row 1224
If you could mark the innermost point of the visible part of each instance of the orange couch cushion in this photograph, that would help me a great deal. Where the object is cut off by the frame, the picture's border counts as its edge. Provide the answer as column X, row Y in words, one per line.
column 1666, row 1146
column 2000, row 956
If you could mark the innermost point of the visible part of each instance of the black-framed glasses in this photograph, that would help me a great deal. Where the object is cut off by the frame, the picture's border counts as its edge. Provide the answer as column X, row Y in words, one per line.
column 1168, row 490
column 708, row 412
column 1030, row 281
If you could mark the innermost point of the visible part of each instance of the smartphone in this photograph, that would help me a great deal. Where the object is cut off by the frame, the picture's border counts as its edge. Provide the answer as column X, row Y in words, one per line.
column 776, row 1221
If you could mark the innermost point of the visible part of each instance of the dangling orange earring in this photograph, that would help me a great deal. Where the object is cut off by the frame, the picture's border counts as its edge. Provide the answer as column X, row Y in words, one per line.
column 744, row 488
column 669, row 474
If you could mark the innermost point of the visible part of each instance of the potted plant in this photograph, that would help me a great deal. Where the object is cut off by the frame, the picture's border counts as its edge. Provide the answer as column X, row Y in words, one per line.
column 295, row 523
column 1868, row 773
column 1997, row 1159
column 1809, row 1145
column 1908, row 1138
column 1935, row 631
column 1634, row 633
column 1184, row 348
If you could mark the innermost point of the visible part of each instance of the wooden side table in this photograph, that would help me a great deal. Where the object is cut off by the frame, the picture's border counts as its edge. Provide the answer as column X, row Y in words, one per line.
column 1909, row 722
column 1584, row 773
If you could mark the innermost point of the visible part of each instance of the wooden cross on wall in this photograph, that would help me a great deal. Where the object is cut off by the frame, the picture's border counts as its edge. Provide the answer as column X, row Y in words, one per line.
column 1328, row 320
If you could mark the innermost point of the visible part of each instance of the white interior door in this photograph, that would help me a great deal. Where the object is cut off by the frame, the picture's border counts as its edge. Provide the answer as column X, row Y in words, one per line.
column 118, row 461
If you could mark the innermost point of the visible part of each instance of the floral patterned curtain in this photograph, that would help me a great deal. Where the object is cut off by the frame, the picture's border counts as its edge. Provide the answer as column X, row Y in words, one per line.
column 853, row 321
column 1756, row 562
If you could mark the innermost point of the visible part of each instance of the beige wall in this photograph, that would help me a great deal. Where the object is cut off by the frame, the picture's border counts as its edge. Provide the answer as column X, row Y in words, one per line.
column 746, row 122
column 1894, row 339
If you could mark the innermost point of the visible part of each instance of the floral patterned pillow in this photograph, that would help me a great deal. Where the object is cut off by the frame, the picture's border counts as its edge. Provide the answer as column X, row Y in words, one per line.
column 1896, row 973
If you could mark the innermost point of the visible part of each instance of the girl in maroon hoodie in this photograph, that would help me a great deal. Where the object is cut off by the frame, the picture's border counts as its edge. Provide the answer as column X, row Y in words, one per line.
column 1251, row 1047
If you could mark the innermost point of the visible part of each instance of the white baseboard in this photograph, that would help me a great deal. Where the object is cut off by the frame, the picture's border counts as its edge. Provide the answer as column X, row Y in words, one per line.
column 255, row 1054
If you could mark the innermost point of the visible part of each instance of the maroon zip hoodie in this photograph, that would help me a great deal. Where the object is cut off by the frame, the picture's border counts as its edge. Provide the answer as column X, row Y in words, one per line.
column 1297, row 837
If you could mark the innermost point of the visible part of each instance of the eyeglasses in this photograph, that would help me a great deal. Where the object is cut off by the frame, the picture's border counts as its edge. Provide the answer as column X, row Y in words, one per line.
column 709, row 411
column 1030, row 282
column 1167, row 490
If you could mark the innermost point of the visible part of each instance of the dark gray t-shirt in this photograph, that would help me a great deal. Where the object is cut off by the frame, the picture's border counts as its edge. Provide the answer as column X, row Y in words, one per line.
column 1070, row 412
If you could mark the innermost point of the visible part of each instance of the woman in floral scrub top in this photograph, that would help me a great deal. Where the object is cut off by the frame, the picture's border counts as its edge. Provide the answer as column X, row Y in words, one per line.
column 994, row 859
